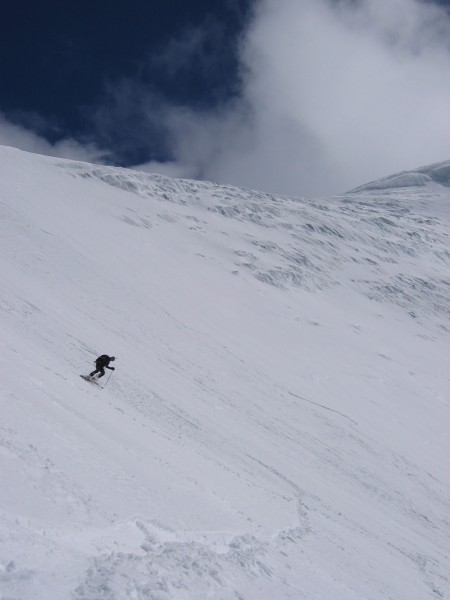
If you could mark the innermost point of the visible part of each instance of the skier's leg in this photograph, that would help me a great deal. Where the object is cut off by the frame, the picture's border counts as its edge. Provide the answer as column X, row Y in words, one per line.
column 98, row 369
column 102, row 372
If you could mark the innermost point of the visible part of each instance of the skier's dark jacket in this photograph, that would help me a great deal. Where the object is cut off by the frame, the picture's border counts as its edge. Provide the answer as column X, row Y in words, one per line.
column 103, row 361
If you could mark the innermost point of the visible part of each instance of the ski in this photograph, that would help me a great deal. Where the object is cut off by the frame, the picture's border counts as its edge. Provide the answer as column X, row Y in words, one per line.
column 90, row 379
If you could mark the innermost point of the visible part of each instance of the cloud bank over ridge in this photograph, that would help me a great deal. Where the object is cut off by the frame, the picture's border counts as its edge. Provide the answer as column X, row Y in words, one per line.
column 17, row 136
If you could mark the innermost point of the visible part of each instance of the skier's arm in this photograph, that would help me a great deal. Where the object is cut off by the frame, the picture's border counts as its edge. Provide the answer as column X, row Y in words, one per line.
column 110, row 368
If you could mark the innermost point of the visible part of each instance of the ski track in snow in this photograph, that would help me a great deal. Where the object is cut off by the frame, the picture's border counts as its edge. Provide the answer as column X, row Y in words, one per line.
column 277, row 426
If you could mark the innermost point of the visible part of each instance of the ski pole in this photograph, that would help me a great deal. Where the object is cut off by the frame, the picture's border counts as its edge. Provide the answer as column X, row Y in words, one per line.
column 107, row 380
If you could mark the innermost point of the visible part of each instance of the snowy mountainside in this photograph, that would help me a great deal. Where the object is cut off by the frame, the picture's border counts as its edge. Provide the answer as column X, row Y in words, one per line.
column 323, row 235
column 277, row 424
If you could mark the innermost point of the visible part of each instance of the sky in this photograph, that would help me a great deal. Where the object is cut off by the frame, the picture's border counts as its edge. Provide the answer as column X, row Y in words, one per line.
column 299, row 97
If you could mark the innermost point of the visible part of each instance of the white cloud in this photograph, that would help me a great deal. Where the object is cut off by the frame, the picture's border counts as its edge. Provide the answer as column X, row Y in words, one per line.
column 170, row 169
column 24, row 139
column 333, row 94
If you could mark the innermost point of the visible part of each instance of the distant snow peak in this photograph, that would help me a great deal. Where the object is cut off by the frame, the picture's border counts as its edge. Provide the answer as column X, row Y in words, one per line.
column 438, row 173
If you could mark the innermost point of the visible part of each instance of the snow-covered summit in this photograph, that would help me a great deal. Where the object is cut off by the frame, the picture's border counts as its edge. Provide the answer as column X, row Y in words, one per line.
column 277, row 424
column 437, row 172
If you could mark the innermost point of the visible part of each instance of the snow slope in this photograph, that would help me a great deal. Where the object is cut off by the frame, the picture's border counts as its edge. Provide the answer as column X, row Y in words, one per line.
column 277, row 424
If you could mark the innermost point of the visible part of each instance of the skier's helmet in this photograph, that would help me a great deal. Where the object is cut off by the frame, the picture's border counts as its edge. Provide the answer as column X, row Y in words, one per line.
column 113, row 358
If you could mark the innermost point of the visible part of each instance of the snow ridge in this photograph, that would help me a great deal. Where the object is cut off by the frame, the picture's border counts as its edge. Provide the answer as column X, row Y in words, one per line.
column 438, row 172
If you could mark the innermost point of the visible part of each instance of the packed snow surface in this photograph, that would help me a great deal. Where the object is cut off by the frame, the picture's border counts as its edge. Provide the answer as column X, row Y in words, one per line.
column 277, row 425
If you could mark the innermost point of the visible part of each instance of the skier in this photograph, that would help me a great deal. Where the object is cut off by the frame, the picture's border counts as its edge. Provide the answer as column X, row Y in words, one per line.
column 100, row 364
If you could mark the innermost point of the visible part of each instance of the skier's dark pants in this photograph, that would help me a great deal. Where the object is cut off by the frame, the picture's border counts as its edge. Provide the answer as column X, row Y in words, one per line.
column 98, row 369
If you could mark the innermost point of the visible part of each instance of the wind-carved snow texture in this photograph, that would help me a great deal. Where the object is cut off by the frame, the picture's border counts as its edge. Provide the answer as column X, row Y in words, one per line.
column 277, row 423
column 170, row 564
column 308, row 243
